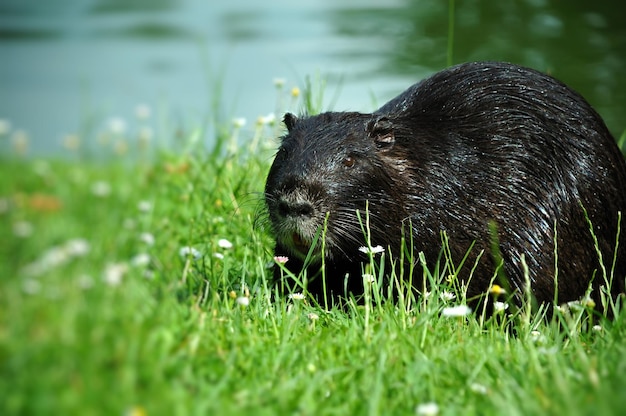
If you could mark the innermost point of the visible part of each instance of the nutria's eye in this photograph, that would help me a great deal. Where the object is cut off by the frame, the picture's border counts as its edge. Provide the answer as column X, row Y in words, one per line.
column 348, row 161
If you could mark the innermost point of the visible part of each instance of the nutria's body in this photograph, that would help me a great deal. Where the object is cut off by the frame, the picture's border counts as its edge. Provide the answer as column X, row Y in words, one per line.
column 475, row 144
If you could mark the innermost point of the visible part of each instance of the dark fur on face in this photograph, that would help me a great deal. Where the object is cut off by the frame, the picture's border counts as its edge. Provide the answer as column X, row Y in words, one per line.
column 474, row 145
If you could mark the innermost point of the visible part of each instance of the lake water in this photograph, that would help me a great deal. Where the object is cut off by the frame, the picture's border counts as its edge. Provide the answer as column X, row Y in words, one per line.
column 74, row 67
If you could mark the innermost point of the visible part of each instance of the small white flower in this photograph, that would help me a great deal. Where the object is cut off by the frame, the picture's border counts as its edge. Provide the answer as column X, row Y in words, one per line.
column 597, row 328
column 537, row 337
column 142, row 111
column 113, row 273
column 281, row 259
column 373, row 250
column 77, row 247
column 219, row 256
column 279, row 82
column 239, row 122
column 313, row 316
column 478, row 388
column 574, row 305
column 5, row 127
column 147, row 238
column 296, row 296
column 378, row 249
column 188, row 251
column 144, row 206
column 588, row 302
column 223, row 243
column 447, row 296
column 427, row 409
column 117, row 125
column 456, row 311
column 500, row 306
column 22, row 229
column 267, row 120
column 53, row 257
column 101, row 189
column 140, row 260
column 243, row 301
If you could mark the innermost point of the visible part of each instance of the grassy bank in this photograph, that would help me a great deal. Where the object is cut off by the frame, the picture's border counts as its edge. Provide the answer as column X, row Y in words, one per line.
column 141, row 288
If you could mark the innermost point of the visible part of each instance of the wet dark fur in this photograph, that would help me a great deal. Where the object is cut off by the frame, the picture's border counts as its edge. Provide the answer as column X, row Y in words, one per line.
column 473, row 144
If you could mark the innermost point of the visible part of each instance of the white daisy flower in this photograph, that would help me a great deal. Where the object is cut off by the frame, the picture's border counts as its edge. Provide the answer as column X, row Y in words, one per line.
column 188, row 251
column 224, row 243
column 427, row 409
column 456, row 311
column 296, row 296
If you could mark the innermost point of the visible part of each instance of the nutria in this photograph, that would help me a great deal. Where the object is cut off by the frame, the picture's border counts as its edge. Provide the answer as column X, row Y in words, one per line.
column 504, row 159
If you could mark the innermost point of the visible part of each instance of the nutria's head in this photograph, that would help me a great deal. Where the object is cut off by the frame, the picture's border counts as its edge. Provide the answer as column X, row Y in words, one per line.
column 327, row 168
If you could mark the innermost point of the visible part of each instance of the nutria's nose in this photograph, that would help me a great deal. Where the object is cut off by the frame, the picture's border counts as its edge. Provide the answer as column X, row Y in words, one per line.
column 288, row 208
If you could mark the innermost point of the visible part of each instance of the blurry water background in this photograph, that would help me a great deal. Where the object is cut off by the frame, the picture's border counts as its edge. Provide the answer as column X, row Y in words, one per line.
column 75, row 67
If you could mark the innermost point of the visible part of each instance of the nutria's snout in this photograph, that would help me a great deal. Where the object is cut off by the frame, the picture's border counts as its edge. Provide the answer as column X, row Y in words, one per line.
column 298, row 208
column 298, row 220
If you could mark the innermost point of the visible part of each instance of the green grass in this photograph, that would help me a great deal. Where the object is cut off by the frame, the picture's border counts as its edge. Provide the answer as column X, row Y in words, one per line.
column 96, row 318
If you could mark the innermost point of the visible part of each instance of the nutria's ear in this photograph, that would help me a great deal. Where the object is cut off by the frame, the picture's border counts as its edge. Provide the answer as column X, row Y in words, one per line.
column 290, row 120
column 381, row 131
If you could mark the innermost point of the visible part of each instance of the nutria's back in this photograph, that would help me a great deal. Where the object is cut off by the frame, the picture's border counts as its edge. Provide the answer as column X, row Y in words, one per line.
column 474, row 145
